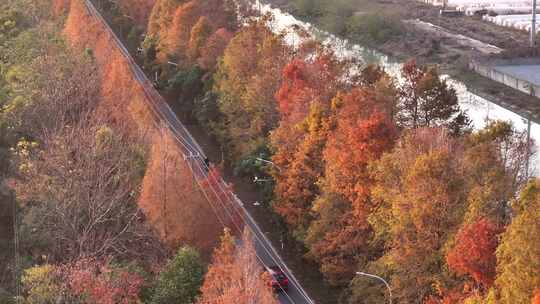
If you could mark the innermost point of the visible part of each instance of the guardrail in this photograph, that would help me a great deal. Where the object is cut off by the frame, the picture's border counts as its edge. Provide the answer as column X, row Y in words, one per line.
column 511, row 81
column 218, row 194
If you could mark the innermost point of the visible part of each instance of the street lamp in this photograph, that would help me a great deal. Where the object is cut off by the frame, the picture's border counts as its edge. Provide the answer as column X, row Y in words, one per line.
column 256, row 179
column 378, row 278
column 268, row 162
column 533, row 24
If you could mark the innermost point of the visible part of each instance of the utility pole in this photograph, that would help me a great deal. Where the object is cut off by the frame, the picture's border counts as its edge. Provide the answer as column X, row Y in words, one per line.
column 527, row 156
column 17, row 260
column 533, row 24
column 164, row 152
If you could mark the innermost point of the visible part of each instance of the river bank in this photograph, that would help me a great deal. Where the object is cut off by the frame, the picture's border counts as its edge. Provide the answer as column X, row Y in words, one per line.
column 484, row 100
column 442, row 44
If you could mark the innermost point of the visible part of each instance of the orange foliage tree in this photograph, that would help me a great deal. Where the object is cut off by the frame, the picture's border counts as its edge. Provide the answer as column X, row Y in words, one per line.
column 60, row 7
column 236, row 274
column 536, row 297
column 176, row 41
column 474, row 252
column 418, row 184
column 161, row 17
column 304, row 101
column 214, row 48
column 199, row 35
column 119, row 89
column 245, row 83
column 296, row 187
column 361, row 135
column 172, row 201
column 181, row 28
column 102, row 283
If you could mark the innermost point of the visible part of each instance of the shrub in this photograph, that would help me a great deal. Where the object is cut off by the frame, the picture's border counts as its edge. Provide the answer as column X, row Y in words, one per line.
column 373, row 28
column 181, row 279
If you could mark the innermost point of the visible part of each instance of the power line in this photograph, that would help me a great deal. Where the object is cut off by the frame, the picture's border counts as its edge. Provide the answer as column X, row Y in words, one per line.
column 195, row 152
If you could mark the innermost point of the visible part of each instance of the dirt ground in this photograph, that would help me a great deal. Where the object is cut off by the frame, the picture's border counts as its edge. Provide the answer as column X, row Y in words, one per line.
column 427, row 45
column 449, row 53
column 436, row 48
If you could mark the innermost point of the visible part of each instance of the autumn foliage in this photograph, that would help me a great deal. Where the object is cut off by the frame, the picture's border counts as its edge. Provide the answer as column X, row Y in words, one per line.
column 370, row 173
column 183, row 28
column 60, row 7
column 363, row 133
column 173, row 201
column 236, row 274
column 304, row 103
column 518, row 255
column 474, row 252
column 536, row 297
column 139, row 10
column 119, row 89
column 101, row 283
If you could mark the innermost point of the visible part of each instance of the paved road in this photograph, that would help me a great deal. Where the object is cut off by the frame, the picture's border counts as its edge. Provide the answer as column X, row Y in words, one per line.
column 227, row 203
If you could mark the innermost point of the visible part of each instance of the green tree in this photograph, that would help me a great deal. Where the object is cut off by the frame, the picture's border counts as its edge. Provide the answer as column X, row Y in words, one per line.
column 428, row 101
column 181, row 279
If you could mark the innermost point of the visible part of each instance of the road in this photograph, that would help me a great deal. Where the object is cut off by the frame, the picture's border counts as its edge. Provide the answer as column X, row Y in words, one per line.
column 227, row 201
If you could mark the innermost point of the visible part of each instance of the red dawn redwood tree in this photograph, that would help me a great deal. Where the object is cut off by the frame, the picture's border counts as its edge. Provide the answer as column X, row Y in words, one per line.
column 474, row 252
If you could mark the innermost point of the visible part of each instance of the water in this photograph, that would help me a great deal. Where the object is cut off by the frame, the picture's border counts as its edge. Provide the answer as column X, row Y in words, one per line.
column 479, row 110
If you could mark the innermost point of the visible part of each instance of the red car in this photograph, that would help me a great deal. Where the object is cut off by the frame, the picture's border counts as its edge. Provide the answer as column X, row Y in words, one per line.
column 278, row 281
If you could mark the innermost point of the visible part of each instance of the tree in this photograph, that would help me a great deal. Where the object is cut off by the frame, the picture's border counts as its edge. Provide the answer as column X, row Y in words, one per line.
column 11, row 23
column 536, row 298
column 200, row 33
column 80, row 187
column 494, row 163
column 180, row 280
column 161, row 17
column 305, row 108
column 245, row 83
column 42, row 284
column 296, row 188
column 214, row 48
column 474, row 252
column 102, row 282
column 176, row 41
column 235, row 274
column 371, row 74
column 172, row 200
column 518, row 255
column 426, row 100
column 362, row 133
column 181, row 27
column 58, row 78
column 305, row 81
column 420, row 185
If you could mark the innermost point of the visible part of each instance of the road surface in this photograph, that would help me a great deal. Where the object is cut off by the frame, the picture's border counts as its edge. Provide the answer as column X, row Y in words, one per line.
column 192, row 151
